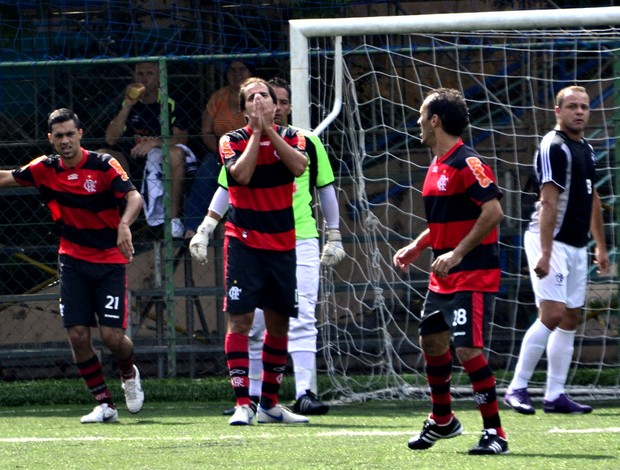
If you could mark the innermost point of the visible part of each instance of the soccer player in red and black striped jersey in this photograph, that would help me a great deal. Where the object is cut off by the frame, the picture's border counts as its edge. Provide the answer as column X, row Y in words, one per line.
column 261, row 161
column 84, row 192
column 461, row 201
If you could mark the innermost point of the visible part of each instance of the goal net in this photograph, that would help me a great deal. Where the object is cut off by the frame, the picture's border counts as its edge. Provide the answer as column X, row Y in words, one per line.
column 365, row 79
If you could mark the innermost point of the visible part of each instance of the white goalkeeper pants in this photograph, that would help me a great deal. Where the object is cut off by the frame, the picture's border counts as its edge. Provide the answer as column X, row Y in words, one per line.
column 302, row 330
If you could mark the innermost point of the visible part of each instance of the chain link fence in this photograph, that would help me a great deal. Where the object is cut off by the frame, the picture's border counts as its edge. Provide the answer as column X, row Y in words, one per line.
column 175, row 303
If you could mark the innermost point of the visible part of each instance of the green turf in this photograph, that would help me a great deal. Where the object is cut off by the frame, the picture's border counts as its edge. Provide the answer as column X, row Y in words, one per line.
column 180, row 435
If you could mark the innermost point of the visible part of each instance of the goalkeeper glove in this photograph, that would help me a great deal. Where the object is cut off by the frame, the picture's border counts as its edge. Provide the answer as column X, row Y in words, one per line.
column 200, row 241
column 333, row 252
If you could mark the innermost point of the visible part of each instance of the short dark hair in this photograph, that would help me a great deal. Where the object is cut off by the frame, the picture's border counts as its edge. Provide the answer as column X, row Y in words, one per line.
column 279, row 82
column 450, row 106
column 62, row 115
column 251, row 81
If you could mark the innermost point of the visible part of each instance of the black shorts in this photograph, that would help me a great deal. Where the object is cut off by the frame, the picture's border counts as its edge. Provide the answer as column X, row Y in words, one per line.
column 92, row 293
column 259, row 278
column 462, row 313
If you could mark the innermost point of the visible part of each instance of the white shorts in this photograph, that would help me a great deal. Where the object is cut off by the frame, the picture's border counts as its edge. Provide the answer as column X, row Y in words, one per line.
column 568, row 272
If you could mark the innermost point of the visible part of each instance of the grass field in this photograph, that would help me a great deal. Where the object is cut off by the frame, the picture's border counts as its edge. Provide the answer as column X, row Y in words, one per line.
column 188, row 435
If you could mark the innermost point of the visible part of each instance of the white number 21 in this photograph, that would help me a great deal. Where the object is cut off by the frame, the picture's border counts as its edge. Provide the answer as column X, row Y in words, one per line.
column 112, row 303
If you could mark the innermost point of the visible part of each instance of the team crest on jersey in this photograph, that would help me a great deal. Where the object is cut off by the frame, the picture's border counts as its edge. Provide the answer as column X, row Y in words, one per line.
column 225, row 147
column 442, row 183
column 90, row 185
column 475, row 165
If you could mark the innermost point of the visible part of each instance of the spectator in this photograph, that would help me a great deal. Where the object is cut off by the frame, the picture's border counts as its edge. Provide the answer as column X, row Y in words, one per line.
column 138, row 120
column 221, row 114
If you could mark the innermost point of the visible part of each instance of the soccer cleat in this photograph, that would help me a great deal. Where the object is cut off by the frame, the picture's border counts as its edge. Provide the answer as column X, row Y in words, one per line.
column 432, row 432
column 309, row 404
column 178, row 229
column 134, row 396
column 103, row 413
column 519, row 400
column 490, row 444
column 563, row 404
column 279, row 414
column 243, row 416
column 231, row 411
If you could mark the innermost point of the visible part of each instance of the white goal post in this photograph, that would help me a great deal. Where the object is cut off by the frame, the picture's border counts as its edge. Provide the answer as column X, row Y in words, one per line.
column 359, row 82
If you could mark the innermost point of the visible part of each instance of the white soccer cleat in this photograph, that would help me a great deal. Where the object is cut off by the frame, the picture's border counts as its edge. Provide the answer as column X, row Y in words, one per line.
column 103, row 413
column 134, row 396
column 243, row 416
column 279, row 414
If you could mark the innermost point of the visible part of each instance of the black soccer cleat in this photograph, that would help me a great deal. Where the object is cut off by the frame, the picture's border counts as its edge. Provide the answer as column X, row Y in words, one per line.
column 490, row 444
column 432, row 432
column 309, row 404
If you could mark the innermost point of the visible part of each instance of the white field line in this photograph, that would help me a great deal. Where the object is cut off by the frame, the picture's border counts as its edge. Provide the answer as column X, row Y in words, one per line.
column 583, row 431
column 225, row 437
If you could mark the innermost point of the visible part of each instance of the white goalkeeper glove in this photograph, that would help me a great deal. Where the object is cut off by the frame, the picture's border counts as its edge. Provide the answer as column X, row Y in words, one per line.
column 200, row 241
column 333, row 252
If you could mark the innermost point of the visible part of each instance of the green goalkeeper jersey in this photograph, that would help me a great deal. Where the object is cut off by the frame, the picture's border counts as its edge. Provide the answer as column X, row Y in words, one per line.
column 318, row 174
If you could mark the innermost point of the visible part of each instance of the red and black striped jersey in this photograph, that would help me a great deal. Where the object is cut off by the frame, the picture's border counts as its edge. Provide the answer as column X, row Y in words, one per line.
column 456, row 185
column 85, row 202
column 261, row 212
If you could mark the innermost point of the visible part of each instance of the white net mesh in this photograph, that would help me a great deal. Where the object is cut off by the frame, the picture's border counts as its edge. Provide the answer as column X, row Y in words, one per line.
column 368, row 311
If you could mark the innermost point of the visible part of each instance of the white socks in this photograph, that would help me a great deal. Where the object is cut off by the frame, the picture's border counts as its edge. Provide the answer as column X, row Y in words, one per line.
column 304, row 366
column 559, row 357
column 532, row 348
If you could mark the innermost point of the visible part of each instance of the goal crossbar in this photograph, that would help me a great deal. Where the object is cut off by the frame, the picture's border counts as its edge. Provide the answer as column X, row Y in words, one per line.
column 301, row 30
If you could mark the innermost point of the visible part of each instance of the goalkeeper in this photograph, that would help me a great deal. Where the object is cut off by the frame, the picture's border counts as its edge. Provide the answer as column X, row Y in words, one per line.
column 302, row 330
